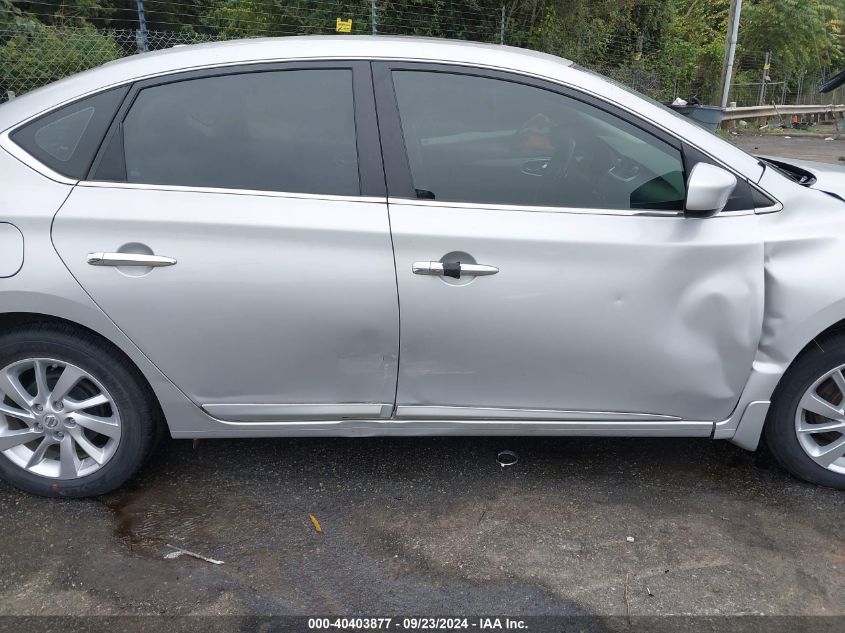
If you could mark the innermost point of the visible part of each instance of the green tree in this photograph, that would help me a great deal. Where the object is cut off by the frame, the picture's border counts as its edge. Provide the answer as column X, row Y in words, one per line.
column 800, row 34
column 37, row 54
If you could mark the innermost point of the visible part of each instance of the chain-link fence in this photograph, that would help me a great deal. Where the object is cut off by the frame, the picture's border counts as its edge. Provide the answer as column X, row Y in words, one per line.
column 30, row 58
column 42, row 49
column 760, row 79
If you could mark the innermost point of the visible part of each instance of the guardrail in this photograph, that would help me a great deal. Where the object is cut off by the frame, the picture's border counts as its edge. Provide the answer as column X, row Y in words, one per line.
column 759, row 112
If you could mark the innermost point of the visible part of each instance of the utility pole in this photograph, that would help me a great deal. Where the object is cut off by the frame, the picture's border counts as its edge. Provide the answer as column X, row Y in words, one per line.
column 373, row 15
column 142, row 40
column 730, row 50
column 502, row 29
column 800, row 88
column 766, row 66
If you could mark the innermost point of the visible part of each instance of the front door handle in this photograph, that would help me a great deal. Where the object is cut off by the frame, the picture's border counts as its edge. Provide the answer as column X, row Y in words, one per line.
column 129, row 259
column 453, row 269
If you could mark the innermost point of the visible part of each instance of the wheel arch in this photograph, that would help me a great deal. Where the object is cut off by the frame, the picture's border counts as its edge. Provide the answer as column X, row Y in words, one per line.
column 767, row 376
column 12, row 320
column 816, row 341
column 179, row 414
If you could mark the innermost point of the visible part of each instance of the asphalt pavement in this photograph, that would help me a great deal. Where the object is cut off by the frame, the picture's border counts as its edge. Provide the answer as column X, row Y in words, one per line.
column 433, row 526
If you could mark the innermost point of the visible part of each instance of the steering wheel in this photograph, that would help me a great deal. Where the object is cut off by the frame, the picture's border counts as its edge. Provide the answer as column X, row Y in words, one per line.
column 539, row 135
column 561, row 160
column 558, row 166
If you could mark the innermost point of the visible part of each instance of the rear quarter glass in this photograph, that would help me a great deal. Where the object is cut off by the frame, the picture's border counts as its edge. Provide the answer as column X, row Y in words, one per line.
column 67, row 138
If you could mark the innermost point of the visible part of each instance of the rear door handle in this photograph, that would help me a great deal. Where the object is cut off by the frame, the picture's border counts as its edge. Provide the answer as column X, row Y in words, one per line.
column 129, row 259
column 453, row 269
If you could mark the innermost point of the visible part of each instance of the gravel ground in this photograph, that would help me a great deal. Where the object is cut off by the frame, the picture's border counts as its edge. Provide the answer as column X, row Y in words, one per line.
column 436, row 526
column 788, row 146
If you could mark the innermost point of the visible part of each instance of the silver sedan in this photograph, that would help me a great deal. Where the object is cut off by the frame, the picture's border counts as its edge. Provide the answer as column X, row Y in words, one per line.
column 392, row 236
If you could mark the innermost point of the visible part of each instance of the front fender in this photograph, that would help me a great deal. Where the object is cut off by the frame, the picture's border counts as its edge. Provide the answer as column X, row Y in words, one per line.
column 804, row 296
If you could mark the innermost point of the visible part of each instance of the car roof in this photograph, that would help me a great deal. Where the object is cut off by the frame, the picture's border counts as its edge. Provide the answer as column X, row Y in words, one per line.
column 254, row 50
column 347, row 46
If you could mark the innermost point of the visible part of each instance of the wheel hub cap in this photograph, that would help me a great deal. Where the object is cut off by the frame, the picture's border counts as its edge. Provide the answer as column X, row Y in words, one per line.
column 56, row 419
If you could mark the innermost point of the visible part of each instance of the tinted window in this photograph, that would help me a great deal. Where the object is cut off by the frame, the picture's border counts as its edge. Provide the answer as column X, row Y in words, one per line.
column 277, row 131
column 67, row 139
column 60, row 139
column 475, row 139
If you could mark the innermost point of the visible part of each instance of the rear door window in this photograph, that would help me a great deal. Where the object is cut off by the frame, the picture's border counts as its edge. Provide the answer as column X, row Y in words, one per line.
column 289, row 131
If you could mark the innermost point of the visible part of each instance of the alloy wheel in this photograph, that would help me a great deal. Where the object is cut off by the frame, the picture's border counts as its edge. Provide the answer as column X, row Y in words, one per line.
column 820, row 420
column 56, row 419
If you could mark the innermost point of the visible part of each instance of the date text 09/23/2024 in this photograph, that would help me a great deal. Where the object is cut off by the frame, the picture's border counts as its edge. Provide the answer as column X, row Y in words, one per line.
column 417, row 623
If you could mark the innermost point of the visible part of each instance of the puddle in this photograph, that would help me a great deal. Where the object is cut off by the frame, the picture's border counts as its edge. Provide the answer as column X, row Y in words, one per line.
column 137, row 518
column 123, row 523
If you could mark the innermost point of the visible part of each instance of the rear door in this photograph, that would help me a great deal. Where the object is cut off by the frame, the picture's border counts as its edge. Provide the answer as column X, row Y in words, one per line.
column 545, row 268
column 235, row 227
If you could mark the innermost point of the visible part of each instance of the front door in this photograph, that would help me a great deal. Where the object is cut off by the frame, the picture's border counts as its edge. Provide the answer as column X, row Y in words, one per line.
column 544, row 265
column 243, row 241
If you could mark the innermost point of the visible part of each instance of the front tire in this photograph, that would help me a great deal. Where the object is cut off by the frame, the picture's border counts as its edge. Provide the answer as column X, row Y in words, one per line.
column 805, row 428
column 76, row 418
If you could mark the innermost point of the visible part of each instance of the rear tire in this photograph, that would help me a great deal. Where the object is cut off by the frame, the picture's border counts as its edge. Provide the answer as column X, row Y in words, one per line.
column 805, row 428
column 119, row 428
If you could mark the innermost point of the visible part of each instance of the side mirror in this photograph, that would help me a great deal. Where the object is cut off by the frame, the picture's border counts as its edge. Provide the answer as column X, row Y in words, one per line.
column 708, row 190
